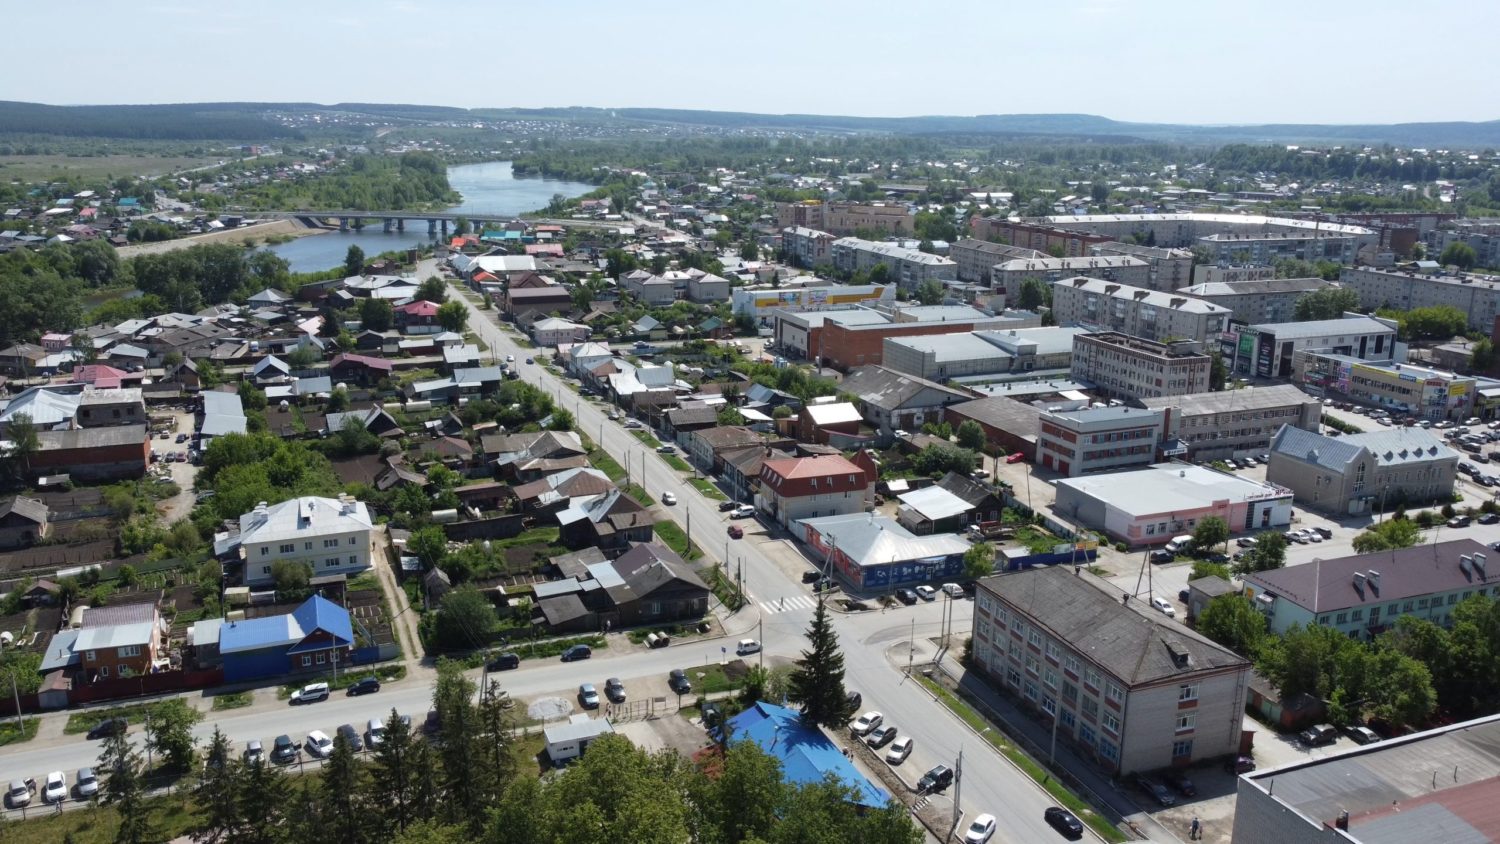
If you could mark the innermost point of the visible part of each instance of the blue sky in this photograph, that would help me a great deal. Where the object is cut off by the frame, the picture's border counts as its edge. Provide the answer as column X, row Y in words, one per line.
column 1188, row 61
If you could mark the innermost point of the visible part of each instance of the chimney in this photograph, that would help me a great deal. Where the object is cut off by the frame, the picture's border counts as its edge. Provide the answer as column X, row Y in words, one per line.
column 1359, row 583
column 1464, row 562
column 1479, row 563
column 1375, row 581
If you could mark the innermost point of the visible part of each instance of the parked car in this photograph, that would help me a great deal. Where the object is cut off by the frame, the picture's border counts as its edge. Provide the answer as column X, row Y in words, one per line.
column 981, row 830
column 1161, row 556
column 906, row 596
column 1459, row 522
column 1016, row 457
column 747, row 646
column 375, row 733
column 937, row 779
column 953, row 590
column 900, row 749
column 254, row 753
column 588, row 696
column 318, row 745
column 666, row 448
column 632, row 423
column 1063, row 821
column 1489, row 518
column 1155, row 790
column 614, row 690
column 926, row 593
column 726, row 506
column 577, row 652
column 87, row 784
column 284, row 750
column 865, row 723
column 108, row 727
column 736, row 532
column 1163, row 606
column 1363, row 735
column 677, row 681
column 744, row 511
column 1179, row 780
column 365, row 686
column 505, row 662
column 824, row 584
column 18, row 794
column 854, row 699
column 56, row 788
column 351, row 735
column 1321, row 734
column 310, row 693
column 881, row 736
column 1183, row 595
column 1326, row 533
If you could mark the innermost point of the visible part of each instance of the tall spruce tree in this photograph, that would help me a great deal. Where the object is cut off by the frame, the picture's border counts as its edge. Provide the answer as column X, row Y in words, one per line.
column 218, row 794
column 342, row 793
column 817, row 681
column 124, row 789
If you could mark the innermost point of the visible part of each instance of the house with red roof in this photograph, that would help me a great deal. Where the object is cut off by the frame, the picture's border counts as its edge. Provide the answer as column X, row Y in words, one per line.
column 359, row 369
column 101, row 376
column 796, row 488
column 418, row 317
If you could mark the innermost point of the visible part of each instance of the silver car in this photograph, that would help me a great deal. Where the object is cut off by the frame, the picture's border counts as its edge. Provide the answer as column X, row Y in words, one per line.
column 88, row 784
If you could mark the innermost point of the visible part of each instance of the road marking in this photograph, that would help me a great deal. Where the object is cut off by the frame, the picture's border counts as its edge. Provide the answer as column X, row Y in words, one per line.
column 787, row 604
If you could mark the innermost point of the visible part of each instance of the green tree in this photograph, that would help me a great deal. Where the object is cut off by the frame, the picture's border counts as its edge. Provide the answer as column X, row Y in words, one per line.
column 218, row 793
column 817, row 681
column 169, row 735
column 979, row 560
column 562, row 420
column 1218, row 373
column 394, row 789
column 341, row 793
column 1327, row 303
column 930, row 292
column 376, row 314
column 465, row 619
column 1034, row 294
column 1460, row 255
column 1269, row 552
column 432, row 289
column 1233, row 622
column 467, row 779
column 971, row 436
column 429, row 544
column 1439, row 322
column 265, row 806
column 24, row 445
column 293, row 579
column 938, row 459
column 453, row 316
column 1482, row 356
column 493, row 734
column 749, row 251
column 354, row 261
column 461, row 226
column 1391, row 534
column 1210, row 533
column 747, row 801
column 120, row 764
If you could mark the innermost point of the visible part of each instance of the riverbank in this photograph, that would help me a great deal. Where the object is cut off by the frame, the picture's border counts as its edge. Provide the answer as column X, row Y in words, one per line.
column 258, row 233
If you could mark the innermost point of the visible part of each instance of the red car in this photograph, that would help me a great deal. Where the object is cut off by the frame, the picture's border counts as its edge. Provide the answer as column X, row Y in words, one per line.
column 1016, row 458
column 736, row 532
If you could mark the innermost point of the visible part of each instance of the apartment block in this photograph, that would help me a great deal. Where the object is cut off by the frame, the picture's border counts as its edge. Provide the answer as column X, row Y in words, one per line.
column 1170, row 268
column 806, row 247
column 846, row 218
column 1122, row 366
column 1406, row 288
column 909, row 268
column 1428, row 393
column 976, row 258
column 1098, row 439
column 1262, row 300
column 1270, row 247
column 1008, row 275
column 1266, row 351
column 1185, row 231
column 1235, row 423
column 1127, row 687
column 1047, row 239
column 1144, row 313
column 1210, row 273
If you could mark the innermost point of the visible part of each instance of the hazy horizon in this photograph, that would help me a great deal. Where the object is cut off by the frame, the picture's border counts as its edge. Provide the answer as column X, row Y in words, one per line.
column 1168, row 61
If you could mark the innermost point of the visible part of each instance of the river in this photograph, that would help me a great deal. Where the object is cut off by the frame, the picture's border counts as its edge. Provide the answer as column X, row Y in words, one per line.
column 489, row 189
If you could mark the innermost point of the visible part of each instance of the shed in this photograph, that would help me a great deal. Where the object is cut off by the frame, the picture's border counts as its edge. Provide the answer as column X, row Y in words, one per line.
column 1205, row 589
column 570, row 740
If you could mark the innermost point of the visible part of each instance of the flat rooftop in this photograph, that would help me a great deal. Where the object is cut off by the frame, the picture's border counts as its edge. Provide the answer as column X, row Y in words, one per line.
column 1441, row 785
column 1169, row 487
column 951, row 347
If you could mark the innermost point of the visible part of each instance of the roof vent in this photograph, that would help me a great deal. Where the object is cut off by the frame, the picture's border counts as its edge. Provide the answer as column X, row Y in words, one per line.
column 1359, row 582
column 1464, row 562
column 1479, row 563
column 1375, row 581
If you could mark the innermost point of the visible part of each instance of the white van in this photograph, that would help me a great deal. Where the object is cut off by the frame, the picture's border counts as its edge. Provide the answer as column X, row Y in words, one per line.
column 1180, row 544
column 953, row 590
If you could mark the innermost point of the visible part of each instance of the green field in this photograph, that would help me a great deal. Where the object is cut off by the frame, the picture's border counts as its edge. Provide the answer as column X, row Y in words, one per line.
column 35, row 168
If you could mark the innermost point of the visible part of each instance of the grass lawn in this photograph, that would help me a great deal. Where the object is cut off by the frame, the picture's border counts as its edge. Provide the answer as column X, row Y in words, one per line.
column 708, row 489
column 48, row 167
column 714, row 677
column 641, row 496
column 677, row 463
column 170, row 817
column 673, row 537
column 555, row 647
column 991, row 734
column 81, row 722
column 10, row 734
column 235, row 700
column 645, row 437
column 368, row 580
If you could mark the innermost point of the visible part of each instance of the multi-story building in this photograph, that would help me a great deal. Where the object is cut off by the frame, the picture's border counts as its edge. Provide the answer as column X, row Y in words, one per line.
column 1153, row 315
column 1259, row 301
column 1150, row 506
column 332, row 536
column 963, row 354
column 1405, row 289
column 799, row 488
column 805, row 247
column 1097, row 439
column 1130, row 688
column 1048, row 240
column 1188, row 230
column 1355, row 474
column 756, row 301
column 976, row 258
column 1428, row 393
column 843, row 218
column 909, row 268
column 1363, row 594
column 845, row 345
column 1266, row 351
column 1170, row 268
column 1235, row 423
column 1008, row 275
column 1483, row 236
column 119, row 641
column 1122, row 366
column 1268, row 247
column 1211, row 273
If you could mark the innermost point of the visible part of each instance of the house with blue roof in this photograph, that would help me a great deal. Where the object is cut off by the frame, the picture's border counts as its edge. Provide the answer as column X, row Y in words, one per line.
column 807, row 754
column 314, row 636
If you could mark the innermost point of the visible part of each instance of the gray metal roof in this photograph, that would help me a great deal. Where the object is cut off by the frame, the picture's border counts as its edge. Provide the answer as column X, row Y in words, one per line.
column 1324, row 328
column 951, row 347
column 1389, row 447
column 1328, row 585
column 1226, row 401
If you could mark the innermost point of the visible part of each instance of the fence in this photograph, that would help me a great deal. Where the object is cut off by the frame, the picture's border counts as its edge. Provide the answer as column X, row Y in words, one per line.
column 495, row 527
column 146, row 684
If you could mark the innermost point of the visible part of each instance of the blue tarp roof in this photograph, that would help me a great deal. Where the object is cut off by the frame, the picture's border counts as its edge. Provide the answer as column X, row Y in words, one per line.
column 806, row 754
column 316, row 613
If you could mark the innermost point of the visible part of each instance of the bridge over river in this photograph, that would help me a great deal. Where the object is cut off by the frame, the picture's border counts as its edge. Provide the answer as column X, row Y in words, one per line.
column 436, row 220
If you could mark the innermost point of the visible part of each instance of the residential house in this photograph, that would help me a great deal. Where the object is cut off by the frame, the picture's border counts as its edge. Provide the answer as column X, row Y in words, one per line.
column 22, row 359
column 359, row 369
column 518, row 302
column 554, row 331
column 332, row 536
column 705, row 287
column 984, row 500
column 23, row 521
column 609, row 521
column 1129, row 688
column 807, row 487
column 120, row 640
column 184, row 372
column 315, row 637
column 705, row 447
column 892, row 401
column 418, row 317
column 556, row 490
column 932, row 510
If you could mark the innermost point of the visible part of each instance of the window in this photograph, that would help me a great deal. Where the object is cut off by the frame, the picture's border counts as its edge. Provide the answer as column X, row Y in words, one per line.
column 1017, row 626
column 1185, row 693
column 90, row 656
column 1015, row 651
column 1111, row 724
column 1052, row 650
column 1181, row 749
column 353, row 560
column 264, row 550
column 1091, row 678
column 322, row 658
column 1186, row 721
column 1357, row 615
column 306, row 660
column 1090, row 708
column 1068, row 720
column 1049, row 706
column 1452, row 599
column 1069, row 692
column 1115, row 693
column 1013, row 677
column 1030, row 690
column 265, row 569
column 1086, row 735
column 104, row 671
column 1050, row 678
column 1035, row 638
column 353, row 540
column 1070, row 664
column 1107, row 750
column 288, row 548
column 331, row 562
column 1031, row 665
column 330, row 543
column 128, row 651
column 1343, row 618
column 307, row 546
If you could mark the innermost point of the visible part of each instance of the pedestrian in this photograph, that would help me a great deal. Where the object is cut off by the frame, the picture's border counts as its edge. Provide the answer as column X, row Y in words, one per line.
column 1195, row 832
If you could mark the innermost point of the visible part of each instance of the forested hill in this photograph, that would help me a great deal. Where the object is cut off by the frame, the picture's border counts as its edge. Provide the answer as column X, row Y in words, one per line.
column 155, row 122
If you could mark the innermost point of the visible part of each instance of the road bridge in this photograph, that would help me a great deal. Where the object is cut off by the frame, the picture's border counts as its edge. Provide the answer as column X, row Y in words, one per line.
column 437, row 221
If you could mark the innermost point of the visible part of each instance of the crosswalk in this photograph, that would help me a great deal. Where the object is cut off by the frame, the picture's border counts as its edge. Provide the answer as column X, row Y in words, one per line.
column 788, row 604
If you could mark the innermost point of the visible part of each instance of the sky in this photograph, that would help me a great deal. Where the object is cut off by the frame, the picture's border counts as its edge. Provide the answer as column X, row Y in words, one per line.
column 1177, row 61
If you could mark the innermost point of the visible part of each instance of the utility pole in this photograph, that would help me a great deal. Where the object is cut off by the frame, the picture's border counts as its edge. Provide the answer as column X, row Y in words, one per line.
column 958, row 784
column 760, row 632
column 911, row 647
column 14, row 690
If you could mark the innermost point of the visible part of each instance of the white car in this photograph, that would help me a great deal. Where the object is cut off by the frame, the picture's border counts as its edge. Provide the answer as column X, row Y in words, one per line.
column 18, row 794
column 1163, row 606
column 56, row 789
column 866, row 722
column 310, row 693
column 900, row 749
column 743, row 511
column 510, row 358
column 668, row 498
column 318, row 744
column 981, row 830
column 374, row 733
column 747, row 646
column 926, row 593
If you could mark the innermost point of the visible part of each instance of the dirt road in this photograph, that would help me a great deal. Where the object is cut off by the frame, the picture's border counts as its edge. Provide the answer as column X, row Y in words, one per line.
column 258, row 232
